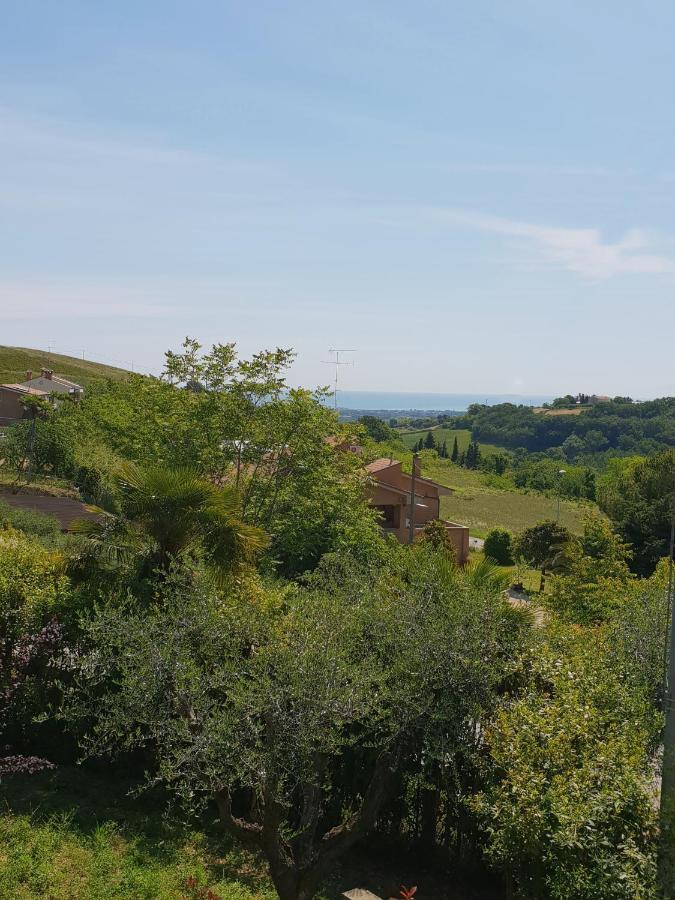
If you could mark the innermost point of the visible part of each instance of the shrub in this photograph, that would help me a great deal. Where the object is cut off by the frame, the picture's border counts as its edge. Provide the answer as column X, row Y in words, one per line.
column 499, row 546
column 32, row 593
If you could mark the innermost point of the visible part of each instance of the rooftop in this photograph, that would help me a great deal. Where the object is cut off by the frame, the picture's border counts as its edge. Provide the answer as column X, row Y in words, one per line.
column 25, row 389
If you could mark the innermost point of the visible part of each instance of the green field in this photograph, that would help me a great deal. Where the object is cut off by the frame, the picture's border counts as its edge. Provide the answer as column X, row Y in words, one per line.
column 463, row 435
column 482, row 507
column 16, row 361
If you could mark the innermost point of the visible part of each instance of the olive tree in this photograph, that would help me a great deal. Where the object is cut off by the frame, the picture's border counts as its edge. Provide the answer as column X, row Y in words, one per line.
column 261, row 700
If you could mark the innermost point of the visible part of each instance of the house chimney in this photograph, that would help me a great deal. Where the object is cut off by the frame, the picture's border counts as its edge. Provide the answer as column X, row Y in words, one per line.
column 47, row 373
column 29, row 375
column 417, row 466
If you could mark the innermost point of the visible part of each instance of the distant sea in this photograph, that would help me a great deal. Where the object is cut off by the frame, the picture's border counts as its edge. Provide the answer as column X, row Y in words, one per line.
column 436, row 402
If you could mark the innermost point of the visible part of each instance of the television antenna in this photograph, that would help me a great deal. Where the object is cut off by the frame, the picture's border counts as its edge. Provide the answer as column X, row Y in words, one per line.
column 337, row 362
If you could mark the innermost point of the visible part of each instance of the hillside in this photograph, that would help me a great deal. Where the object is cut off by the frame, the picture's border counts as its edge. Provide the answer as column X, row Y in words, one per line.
column 463, row 435
column 16, row 361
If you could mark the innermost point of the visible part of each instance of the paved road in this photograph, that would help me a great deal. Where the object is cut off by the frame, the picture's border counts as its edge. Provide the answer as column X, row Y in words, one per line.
column 65, row 509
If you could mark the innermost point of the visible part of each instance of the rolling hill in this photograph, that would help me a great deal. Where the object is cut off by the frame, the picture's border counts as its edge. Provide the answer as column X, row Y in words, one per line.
column 16, row 361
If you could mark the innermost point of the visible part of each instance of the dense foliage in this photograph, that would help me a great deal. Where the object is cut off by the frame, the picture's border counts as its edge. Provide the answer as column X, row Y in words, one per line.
column 620, row 423
column 234, row 628
column 637, row 494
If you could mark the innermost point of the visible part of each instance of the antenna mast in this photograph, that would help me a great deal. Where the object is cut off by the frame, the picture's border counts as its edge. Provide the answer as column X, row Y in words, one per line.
column 337, row 363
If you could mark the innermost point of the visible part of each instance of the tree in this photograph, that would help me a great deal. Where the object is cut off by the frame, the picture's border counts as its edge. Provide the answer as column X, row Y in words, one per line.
column 589, row 484
column 636, row 494
column 570, row 814
column 170, row 512
column 572, row 447
column 596, row 581
column 430, row 441
column 498, row 546
column 376, row 428
column 455, row 451
column 595, row 441
column 297, row 710
column 436, row 535
column 443, row 452
column 541, row 546
column 472, row 457
column 245, row 428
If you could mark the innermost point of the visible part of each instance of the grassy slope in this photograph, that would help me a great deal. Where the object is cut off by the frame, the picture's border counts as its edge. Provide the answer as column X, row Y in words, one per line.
column 16, row 361
column 481, row 507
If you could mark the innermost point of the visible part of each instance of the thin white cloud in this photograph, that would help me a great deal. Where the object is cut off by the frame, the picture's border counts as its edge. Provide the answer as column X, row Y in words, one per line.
column 22, row 300
column 54, row 138
column 579, row 250
column 539, row 170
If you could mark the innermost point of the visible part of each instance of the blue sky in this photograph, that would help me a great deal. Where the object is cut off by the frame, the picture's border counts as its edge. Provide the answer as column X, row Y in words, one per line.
column 473, row 196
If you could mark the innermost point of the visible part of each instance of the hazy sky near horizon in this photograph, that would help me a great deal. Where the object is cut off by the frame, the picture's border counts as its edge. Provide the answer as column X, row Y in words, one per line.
column 475, row 197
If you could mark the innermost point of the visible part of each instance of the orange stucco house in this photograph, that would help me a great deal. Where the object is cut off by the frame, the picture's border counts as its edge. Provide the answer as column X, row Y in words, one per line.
column 391, row 493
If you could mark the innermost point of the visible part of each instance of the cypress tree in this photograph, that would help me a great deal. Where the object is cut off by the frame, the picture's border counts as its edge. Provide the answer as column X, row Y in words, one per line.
column 430, row 441
column 455, row 451
column 443, row 453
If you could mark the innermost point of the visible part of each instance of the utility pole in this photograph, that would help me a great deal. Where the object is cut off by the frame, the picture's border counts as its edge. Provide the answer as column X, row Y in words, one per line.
column 667, row 811
column 336, row 362
column 411, row 521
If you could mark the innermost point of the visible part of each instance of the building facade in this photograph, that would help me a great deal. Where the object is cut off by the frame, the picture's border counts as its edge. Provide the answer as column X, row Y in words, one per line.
column 391, row 492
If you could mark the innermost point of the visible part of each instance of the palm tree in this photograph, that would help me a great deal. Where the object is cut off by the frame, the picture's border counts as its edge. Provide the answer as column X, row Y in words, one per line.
column 169, row 512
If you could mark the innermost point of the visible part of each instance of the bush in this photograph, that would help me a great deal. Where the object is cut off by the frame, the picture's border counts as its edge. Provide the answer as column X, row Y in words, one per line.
column 33, row 593
column 499, row 546
column 95, row 477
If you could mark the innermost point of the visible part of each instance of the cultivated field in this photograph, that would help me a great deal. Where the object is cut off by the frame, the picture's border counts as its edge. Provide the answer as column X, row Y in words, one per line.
column 482, row 507
column 572, row 411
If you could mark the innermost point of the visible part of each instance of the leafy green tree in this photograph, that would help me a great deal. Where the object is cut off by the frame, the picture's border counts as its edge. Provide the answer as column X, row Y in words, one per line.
column 541, row 545
column 595, row 440
column 298, row 711
column 430, row 441
column 637, row 495
column 499, row 546
column 377, row 429
column 436, row 535
column 589, row 484
column 573, row 447
column 570, row 813
column 596, row 580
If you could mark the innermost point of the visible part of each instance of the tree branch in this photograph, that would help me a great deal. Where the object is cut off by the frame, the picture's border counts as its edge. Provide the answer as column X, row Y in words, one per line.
column 249, row 833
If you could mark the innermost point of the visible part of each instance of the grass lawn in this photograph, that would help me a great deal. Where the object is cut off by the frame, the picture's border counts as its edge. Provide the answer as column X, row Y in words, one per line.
column 71, row 835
